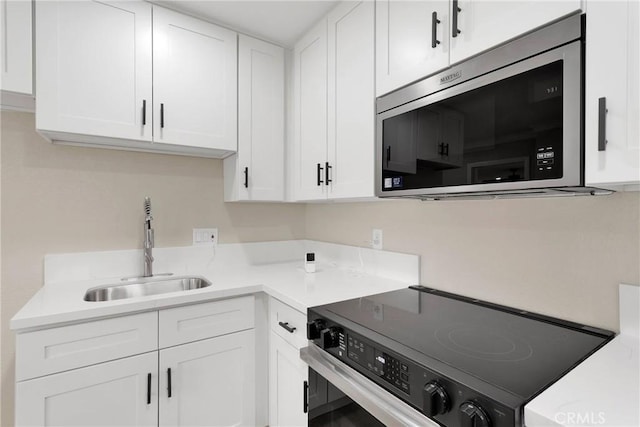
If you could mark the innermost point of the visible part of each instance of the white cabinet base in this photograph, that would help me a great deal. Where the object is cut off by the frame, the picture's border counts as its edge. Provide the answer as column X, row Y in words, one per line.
column 108, row 394
column 212, row 382
column 287, row 374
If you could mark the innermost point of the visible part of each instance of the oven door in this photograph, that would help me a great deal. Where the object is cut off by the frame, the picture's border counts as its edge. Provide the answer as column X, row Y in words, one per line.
column 340, row 396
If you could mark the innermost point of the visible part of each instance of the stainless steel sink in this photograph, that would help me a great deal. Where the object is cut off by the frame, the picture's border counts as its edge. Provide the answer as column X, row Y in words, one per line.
column 145, row 287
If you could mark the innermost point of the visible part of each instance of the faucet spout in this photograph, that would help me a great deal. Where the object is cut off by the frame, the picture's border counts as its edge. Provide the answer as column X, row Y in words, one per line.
column 148, row 239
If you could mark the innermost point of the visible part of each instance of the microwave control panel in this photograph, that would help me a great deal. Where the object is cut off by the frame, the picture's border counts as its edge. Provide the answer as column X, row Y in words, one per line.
column 548, row 163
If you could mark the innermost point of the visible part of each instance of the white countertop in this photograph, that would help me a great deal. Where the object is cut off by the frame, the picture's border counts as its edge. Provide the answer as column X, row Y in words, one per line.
column 63, row 302
column 604, row 390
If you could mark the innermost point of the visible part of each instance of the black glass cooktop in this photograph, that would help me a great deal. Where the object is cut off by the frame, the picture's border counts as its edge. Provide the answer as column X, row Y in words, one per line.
column 516, row 351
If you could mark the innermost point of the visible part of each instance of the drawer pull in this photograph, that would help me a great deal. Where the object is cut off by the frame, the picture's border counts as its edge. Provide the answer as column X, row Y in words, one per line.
column 286, row 326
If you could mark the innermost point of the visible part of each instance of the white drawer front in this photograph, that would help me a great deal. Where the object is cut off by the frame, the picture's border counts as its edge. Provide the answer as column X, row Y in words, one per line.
column 281, row 317
column 195, row 322
column 68, row 347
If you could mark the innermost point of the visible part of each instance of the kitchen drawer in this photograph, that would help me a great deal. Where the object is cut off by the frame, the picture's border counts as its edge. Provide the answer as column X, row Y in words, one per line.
column 281, row 315
column 53, row 350
column 196, row 322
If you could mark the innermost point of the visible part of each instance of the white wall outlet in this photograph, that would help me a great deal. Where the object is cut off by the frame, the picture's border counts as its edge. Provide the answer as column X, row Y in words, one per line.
column 376, row 239
column 205, row 236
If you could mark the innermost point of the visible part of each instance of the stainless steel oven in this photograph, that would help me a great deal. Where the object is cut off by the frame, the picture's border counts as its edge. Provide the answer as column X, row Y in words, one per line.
column 338, row 396
column 506, row 122
column 423, row 357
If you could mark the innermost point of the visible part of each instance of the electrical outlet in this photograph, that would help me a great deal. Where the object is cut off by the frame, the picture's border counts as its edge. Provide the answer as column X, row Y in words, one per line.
column 376, row 239
column 205, row 236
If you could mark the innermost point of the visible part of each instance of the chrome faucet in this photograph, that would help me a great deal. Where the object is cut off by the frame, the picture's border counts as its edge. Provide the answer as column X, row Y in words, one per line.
column 148, row 239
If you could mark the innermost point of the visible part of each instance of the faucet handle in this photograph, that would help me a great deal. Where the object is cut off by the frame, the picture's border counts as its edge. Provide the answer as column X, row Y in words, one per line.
column 150, row 240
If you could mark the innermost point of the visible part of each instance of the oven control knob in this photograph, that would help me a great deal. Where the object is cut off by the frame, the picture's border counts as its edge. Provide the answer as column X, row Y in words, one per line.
column 329, row 337
column 436, row 400
column 314, row 328
column 472, row 415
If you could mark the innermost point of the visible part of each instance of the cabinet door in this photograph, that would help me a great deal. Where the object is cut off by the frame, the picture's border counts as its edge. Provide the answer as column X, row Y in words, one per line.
column 410, row 42
column 194, row 82
column 116, row 393
column 287, row 374
column 16, row 50
column 310, row 121
column 351, row 121
column 212, row 382
column 259, row 171
column 486, row 24
column 612, row 44
column 93, row 68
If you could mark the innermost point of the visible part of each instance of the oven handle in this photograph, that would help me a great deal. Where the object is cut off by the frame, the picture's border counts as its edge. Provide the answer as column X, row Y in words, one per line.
column 384, row 406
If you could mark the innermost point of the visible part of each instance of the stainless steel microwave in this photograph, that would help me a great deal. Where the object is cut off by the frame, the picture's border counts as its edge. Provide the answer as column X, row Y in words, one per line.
column 506, row 123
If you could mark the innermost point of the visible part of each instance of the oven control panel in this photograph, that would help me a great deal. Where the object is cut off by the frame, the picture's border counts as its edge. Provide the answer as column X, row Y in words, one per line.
column 448, row 402
column 382, row 364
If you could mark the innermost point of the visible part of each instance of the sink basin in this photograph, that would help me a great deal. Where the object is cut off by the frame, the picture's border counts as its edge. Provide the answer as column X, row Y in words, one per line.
column 145, row 287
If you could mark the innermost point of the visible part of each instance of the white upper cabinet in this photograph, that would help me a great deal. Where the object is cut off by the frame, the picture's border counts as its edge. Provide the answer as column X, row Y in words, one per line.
column 310, row 110
column 334, row 106
column 16, row 46
column 194, row 82
column 351, row 101
column 612, row 116
column 412, row 41
column 478, row 25
column 93, row 68
column 417, row 38
column 257, row 171
column 106, row 76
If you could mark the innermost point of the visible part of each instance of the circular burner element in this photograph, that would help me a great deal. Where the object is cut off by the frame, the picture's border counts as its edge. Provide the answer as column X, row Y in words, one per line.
column 484, row 343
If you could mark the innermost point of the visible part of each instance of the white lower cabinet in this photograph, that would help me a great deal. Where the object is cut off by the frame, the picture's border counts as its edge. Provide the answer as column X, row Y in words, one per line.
column 287, row 372
column 287, row 377
column 118, row 393
column 209, row 382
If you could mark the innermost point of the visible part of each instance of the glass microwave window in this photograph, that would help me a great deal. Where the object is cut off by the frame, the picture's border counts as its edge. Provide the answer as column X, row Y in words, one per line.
column 510, row 130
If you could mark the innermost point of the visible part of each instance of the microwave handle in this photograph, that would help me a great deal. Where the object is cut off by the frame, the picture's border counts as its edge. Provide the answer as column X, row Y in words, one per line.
column 602, row 124
column 454, row 19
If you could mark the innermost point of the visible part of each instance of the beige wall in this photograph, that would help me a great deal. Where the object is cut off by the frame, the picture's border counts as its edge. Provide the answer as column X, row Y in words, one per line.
column 558, row 256
column 563, row 257
column 69, row 199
